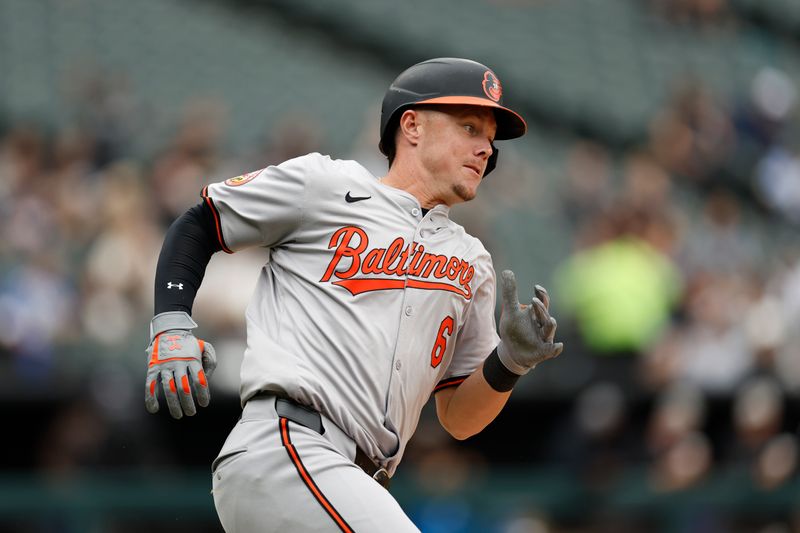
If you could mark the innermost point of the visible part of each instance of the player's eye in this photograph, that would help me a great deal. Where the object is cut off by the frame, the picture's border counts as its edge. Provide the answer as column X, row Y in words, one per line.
column 470, row 129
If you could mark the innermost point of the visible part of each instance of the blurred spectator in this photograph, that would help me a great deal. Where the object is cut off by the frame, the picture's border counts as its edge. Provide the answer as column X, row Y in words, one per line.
column 784, row 292
column 681, row 453
column 761, row 161
column 191, row 159
column 121, row 260
column 597, row 443
column 777, row 463
column 693, row 135
column 36, row 311
column 588, row 188
column 645, row 183
column 620, row 290
column 36, row 297
column 103, row 102
column 720, row 241
column 22, row 158
column 679, row 410
column 75, row 185
column 757, row 414
column 777, row 180
column 709, row 348
column 770, row 455
column 684, row 464
column 295, row 134
column 766, row 326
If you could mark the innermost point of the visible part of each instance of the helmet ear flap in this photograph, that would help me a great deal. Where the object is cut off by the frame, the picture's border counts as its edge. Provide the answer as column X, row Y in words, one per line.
column 492, row 161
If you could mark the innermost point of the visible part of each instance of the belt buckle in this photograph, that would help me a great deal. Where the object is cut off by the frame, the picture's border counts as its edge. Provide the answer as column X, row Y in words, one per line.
column 382, row 477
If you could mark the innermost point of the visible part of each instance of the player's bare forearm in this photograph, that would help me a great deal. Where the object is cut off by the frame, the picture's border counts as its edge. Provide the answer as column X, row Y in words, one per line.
column 466, row 410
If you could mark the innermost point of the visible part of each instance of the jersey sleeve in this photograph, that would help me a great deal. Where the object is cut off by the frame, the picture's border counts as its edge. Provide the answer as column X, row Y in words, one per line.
column 261, row 208
column 478, row 336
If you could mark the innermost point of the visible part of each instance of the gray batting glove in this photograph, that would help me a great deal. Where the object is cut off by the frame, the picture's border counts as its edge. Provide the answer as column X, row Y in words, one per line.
column 181, row 361
column 526, row 331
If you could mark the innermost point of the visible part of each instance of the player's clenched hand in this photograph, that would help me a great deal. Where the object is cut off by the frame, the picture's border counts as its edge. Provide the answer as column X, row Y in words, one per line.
column 181, row 361
column 526, row 331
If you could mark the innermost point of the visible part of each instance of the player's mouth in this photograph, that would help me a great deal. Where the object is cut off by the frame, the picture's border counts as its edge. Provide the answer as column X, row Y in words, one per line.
column 475, row 168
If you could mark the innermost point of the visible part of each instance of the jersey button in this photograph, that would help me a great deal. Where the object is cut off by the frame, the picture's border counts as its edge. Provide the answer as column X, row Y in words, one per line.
column 398, row 365
column 409, row 310
column 415, row 212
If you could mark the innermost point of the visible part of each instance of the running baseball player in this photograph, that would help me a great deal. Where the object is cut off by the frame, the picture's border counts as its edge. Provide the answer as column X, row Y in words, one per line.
column 372, row 300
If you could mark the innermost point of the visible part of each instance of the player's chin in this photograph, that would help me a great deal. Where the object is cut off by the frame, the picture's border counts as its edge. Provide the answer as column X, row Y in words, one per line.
column 465, row 193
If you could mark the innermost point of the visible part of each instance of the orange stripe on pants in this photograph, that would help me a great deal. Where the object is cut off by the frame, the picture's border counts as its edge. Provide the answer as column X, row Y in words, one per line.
column 290, row 449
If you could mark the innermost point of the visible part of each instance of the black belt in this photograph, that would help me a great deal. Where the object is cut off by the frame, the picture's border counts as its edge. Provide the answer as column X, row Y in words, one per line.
column 300, row 414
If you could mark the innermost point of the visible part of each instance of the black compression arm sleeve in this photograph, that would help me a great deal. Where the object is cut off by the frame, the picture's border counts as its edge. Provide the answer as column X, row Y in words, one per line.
column 188, row 246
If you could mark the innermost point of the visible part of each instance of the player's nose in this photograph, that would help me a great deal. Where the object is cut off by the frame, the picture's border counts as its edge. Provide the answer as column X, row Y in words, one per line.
column 484, row 149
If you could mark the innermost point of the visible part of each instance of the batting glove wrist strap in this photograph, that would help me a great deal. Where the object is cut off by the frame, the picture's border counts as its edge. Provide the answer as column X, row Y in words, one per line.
column 170, row 320
column 497, row 375
column 504, row 356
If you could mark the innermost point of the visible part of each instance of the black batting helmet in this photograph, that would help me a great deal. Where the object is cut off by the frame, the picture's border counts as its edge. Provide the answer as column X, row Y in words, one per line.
column 448, row 80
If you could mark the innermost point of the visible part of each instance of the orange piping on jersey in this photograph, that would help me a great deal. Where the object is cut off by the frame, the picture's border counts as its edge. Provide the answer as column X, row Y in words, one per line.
column 210, row 203
column 435, row 286
column 301, row 469
column 451, row 382
column 359, row 285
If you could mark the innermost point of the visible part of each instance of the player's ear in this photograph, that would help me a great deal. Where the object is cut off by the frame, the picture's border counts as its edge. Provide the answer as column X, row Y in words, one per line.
column 409, row 127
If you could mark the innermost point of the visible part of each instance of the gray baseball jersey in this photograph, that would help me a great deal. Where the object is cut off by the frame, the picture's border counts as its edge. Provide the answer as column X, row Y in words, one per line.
column 365, row 306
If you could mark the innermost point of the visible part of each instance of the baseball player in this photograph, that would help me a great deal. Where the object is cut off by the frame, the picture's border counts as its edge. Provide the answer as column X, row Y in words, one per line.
column 372, row 299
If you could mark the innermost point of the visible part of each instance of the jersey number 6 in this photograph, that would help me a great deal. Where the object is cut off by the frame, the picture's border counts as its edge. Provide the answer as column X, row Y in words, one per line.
column 440, row 346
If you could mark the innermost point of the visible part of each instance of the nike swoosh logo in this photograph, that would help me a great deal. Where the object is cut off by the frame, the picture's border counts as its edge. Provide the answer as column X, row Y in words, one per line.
column 352, row 199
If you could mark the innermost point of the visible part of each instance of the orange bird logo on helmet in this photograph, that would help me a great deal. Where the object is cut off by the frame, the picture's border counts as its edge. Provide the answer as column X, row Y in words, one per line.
column 491, row 86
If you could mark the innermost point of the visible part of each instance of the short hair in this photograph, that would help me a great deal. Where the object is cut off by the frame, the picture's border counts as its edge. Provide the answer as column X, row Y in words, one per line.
column 389, row 138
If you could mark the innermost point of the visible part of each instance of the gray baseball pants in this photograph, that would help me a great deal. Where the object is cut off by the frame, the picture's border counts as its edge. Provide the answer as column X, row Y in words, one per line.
column 274, row 474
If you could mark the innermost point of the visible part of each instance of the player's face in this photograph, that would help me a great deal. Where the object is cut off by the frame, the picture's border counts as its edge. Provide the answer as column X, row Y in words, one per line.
column 454, row 148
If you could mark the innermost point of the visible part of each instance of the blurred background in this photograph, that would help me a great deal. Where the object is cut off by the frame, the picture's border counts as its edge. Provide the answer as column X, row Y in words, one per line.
column 656, row 196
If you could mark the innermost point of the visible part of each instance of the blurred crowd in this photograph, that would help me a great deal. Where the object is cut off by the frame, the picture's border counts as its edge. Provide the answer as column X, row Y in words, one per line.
column 681, row 288
column 685, row 276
